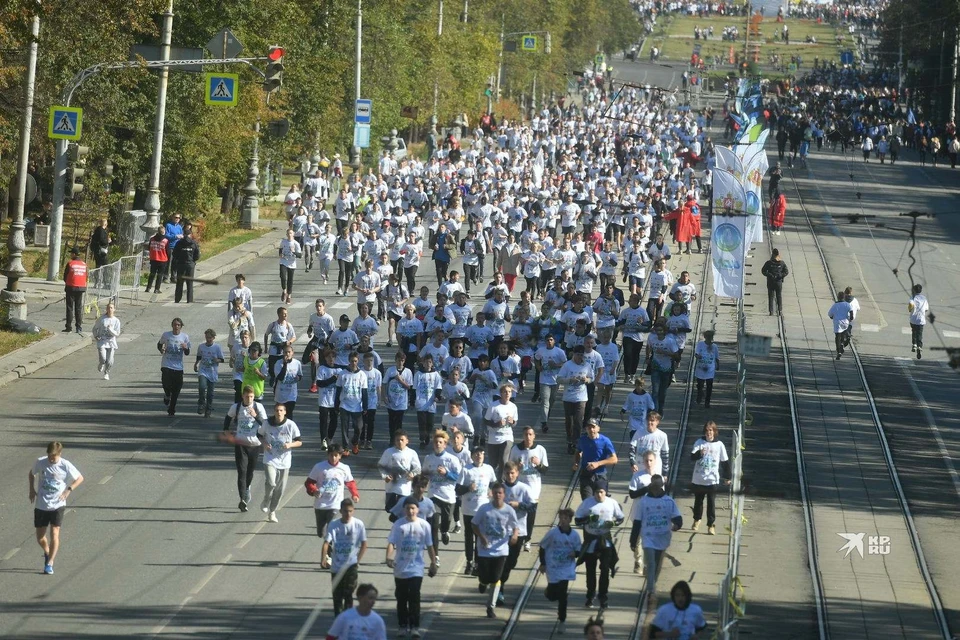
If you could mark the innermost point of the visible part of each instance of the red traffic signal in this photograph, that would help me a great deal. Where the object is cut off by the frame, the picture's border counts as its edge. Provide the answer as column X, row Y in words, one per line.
column 275, row 53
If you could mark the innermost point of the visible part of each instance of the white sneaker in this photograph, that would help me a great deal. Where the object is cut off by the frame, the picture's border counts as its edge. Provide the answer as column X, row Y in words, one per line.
column 106, row 376
column 526, row 546
column 339, row 292
column 561, row 628
column 100, row 368
column 265, row 505
column 273, row 517
column 415, row 633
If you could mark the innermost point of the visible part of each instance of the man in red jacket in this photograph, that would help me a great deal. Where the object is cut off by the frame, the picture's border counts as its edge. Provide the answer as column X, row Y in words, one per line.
column 75, row 285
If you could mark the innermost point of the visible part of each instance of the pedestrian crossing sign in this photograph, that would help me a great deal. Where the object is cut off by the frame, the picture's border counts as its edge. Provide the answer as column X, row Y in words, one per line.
column 529, row 43
column 221, row 89
column 65, row 123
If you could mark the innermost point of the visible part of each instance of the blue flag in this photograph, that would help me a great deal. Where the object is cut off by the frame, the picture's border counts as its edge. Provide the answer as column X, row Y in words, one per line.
column 911, row 119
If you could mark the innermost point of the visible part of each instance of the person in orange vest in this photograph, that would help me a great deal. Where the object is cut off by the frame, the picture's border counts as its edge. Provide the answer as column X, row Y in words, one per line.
column 75, row 285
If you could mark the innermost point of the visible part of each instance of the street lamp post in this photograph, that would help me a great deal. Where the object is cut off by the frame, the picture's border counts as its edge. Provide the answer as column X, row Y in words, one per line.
column 355, row 150
column 12, row 300
column 152, row 205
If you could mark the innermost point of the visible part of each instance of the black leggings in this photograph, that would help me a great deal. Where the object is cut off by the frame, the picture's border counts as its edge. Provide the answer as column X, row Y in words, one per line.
column 368, row 423
column 441, row 271
column 445, row 511
column 394, row 422
column 345, row 277
column 469, row 539
column 425, row 425
column 411, row 274
column 172, row 381
column 246, row 458
column 531, row 521
column 710, row 491
column 328, row 423
column 700, row 389
column 632, row 350
column 557, row 592
column 470, row 274
column 916, row 335
column 286, row 278
column 408, row 601
column 511, row 562
column 607, row 557
column 237, row 391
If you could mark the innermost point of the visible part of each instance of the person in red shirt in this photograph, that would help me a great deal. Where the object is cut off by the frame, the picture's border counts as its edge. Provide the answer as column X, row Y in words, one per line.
column 158, row 259
column 74, row 286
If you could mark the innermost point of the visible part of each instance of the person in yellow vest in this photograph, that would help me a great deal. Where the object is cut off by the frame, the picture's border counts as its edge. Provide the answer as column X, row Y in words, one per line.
column 255, row 370
column 74, row 286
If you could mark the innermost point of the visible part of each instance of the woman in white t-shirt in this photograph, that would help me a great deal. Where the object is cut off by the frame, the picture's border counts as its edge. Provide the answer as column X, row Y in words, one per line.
column 290, row 250
column 707, row 355
column 105, row 332
column 710, row 465
column 411, row 251
column 287, row 374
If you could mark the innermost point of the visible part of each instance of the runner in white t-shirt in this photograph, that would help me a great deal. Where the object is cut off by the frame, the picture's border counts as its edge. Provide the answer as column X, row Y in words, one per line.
column 360, row 622
column 56, row 479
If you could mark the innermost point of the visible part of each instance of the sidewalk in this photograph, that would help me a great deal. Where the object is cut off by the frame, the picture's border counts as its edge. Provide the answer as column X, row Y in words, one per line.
column 45, row 307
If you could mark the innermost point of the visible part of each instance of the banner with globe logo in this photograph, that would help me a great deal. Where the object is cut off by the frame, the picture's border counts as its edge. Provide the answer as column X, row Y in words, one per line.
column 728, row 253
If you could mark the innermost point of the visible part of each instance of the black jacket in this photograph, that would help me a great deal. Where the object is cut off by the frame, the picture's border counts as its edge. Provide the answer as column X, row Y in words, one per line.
column 187, row 251
column 775, row 270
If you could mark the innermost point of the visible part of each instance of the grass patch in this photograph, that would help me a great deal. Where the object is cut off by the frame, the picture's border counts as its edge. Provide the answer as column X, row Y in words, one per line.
column 10, row 341
column 229, row 240
column 676, row 40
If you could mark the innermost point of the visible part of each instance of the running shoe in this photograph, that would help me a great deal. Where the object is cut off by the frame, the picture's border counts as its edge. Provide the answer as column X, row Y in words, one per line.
column 457, row 528
column 561, row 627
column 242, row 506
column 48, row 569
column 712, row 530
column 445, row 538
column 356, row 448
column 491, row 613
column 106, row 376
column 590, row 604
column 314, row 388
column 273, row 517
column 323, row 445
column 526, row 547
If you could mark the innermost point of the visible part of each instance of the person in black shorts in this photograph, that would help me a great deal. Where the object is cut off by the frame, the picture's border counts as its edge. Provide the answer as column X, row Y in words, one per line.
column 56, row 478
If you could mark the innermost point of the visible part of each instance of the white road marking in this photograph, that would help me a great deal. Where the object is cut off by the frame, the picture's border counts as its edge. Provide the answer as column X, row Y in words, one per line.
column 872, row 328
column 299, row 305
column 128, row 337
column 163, row 624
column 10, row 554
column 905, row 331
column 341, row 305
column 213, row 305
column 170, row 304
column 928, row 414
column 260, row 305
column 951, row 334
column 105, row 479
column 210, row 574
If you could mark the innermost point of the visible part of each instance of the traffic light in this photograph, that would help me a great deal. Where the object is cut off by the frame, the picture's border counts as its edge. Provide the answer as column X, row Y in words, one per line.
column 274, row 76
column 76, row 158
column 546, row 44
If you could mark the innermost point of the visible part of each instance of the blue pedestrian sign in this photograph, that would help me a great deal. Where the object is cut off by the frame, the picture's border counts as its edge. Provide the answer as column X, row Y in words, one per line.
column 846, row 57
column 363, row 111
column 221, row 89
column 529, row 43
column 65, row 123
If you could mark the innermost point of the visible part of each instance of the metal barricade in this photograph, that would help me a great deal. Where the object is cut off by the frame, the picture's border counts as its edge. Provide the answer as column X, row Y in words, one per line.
column 129, row 272
column 113, row 282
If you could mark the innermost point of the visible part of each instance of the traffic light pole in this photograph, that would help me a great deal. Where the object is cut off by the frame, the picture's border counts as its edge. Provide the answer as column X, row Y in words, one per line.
column 13, row 300
column 60, row 162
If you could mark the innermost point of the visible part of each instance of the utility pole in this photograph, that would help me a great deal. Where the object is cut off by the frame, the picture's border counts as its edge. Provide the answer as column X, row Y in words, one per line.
column 355, row 150
column 500, row 56
column 953, row 74
column 436, row 81
column 152, row 205
column 466, row 10
column 900, row 67
column 14, row 301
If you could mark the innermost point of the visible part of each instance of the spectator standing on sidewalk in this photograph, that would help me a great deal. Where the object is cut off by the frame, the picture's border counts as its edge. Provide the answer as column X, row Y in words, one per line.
column 58, row 479
column 775, row 269
column 74, row 286
column 919, row 308
column 173, row 230
column 778, row 212
column 100, row 241
column 186, row 255
column 158, row 246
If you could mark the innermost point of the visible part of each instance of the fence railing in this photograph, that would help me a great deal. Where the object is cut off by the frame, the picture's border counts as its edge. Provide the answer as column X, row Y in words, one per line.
column 114, row 282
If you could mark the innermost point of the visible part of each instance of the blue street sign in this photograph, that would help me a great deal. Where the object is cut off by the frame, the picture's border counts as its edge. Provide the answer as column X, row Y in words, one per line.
column 529, row 43
column 363, row 111
column 221, row 89
column 846, row 57
column 65, row 123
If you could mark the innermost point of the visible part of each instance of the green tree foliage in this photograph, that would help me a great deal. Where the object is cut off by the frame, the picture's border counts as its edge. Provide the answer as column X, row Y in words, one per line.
column 207, row 147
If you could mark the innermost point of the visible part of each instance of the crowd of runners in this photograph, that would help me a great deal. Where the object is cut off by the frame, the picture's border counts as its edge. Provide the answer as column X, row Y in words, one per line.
column 564, row 291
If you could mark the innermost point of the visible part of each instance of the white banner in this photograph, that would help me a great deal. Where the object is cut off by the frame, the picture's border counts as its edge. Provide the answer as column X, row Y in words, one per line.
column 727, row 160
column 753, row 185
column 728, row 251
column 729, row 197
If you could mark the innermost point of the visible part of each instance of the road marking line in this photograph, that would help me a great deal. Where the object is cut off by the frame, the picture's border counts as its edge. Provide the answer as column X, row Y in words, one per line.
column 341, row 305
column 212, row 305
column 170, row 304
column 128, row 337
column 260, row 305
column 299, row 305
column 210, row 574
column 905, row 331
column 105, row 479
column 10, row 554
column 173, row 614
column 951, row 334
column 872, row 328
column 928, row 414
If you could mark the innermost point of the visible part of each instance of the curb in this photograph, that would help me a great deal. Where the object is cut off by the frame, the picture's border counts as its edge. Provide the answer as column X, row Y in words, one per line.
column 44, row 360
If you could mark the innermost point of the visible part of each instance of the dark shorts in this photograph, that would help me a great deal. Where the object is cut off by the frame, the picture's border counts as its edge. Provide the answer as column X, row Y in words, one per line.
column 42, row 518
